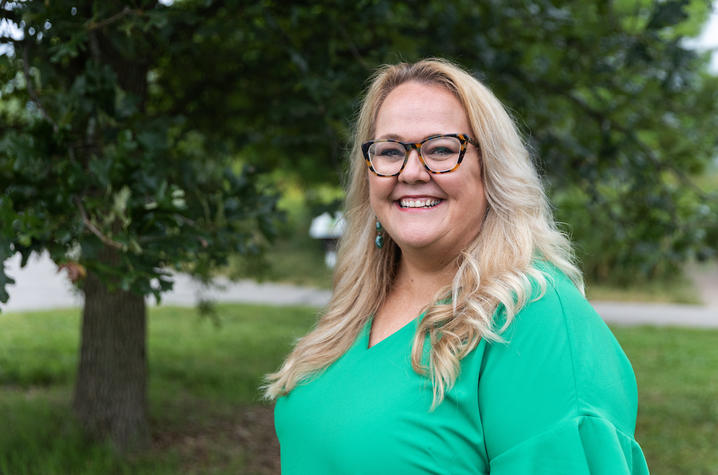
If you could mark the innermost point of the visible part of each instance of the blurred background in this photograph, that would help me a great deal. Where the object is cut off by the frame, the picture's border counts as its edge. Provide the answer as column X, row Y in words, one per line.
column 141, row 141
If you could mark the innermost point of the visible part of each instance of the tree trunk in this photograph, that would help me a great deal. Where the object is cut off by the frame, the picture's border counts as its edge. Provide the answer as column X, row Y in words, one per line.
column 111, row 389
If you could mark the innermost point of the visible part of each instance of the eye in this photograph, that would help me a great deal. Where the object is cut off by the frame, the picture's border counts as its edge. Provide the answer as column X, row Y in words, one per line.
column 390, row 152
column 439, row 150
column 387, row 151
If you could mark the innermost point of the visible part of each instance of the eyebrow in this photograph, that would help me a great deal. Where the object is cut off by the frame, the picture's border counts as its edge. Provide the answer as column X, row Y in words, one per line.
column 399, row 138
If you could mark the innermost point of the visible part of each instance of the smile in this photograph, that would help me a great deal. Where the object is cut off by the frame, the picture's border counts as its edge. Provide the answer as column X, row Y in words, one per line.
column 419, row 203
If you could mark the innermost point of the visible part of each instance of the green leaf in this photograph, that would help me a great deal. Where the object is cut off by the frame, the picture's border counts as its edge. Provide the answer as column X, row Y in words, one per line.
column 667, row 14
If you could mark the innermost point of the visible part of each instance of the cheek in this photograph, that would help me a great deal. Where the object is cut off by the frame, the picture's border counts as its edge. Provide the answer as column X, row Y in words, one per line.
column 379, row 189
column 471, row 194
column 373, row 191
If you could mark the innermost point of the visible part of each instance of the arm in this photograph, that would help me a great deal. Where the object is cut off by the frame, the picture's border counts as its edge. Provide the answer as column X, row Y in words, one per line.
column 560, row 396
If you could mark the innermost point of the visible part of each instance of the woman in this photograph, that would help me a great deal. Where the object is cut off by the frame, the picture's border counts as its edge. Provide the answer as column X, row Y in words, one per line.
column 457, row 339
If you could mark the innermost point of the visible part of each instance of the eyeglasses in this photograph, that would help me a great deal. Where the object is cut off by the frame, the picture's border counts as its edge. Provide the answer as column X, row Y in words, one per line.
column 438, row 154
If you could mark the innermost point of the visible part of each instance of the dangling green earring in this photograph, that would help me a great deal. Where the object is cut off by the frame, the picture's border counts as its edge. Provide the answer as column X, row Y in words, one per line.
column 379, row 241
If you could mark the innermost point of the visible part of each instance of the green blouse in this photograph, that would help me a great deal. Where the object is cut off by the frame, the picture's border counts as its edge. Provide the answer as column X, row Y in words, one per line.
column 558, row 397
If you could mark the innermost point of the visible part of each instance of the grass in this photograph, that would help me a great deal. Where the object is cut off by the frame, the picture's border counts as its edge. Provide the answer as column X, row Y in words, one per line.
column 205, row 406
column 677, row 376
column 677, row 290
column 206, row 412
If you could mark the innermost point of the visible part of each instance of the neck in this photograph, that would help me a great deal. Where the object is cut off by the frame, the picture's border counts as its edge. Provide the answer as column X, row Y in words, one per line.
column 422, row 278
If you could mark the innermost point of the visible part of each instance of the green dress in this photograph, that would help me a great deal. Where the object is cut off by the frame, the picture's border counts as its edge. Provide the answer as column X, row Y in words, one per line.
column 559, row 397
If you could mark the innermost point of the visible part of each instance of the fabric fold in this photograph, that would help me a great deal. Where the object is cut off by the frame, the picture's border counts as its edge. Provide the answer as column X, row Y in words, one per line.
column 580, row 445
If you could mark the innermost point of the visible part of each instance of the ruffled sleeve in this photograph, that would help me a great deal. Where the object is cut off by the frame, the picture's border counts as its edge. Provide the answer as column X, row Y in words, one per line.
column 581, row 445
column 559, row 395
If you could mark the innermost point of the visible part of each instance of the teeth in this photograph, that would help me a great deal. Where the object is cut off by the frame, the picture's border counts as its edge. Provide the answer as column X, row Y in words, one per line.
column 428, row 203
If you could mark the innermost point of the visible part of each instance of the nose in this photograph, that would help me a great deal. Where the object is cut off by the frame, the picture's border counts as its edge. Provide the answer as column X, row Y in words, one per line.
column 414, row 170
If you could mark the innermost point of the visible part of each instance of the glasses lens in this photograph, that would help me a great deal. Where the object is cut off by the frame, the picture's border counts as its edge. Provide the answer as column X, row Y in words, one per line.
column 442, row 153
column 386, row 157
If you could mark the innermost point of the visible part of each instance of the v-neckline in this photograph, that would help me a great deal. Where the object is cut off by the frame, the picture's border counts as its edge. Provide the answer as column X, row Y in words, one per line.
column 366, row 337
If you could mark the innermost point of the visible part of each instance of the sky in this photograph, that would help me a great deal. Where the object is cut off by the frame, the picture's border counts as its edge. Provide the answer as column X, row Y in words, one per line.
column 708, row 39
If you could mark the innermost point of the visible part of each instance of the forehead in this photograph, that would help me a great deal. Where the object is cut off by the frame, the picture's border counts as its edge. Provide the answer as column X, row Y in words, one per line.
column 415, row 110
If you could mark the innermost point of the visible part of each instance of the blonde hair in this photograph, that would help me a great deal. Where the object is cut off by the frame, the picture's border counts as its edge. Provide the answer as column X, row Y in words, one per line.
column 494, row 272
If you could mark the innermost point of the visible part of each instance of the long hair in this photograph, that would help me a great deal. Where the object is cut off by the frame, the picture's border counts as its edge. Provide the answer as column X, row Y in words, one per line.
column 495, row 272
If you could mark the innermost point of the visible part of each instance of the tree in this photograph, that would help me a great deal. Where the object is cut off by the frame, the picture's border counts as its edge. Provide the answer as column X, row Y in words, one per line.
column 619, row 113
column 115, row 180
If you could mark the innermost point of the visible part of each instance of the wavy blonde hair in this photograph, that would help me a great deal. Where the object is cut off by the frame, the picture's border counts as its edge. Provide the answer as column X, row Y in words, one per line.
column 494, row 272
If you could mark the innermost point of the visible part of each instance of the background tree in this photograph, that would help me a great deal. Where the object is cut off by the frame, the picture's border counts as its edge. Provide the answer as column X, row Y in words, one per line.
column 619, row 114
column 116, row 185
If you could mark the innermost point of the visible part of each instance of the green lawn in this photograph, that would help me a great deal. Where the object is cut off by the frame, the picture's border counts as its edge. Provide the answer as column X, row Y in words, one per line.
column 677, row 290
column 207, row 416
column 677, row 373
column 205, row 408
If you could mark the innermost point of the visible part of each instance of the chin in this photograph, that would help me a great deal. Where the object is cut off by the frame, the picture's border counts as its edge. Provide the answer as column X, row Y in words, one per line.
column 415, row 242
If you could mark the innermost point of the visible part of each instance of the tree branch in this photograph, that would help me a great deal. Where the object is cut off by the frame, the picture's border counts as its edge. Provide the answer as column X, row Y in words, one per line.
column 353, row 48
column 31, row 89
column 4, row 39
column 7, row 127
column 94, row 230
column 10, row 15
column 631, row 135
column 642, row 146
column 93, row 25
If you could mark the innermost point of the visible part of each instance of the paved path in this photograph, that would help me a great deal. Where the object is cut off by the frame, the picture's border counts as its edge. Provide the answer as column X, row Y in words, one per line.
column 630, row 313
column 40, row 286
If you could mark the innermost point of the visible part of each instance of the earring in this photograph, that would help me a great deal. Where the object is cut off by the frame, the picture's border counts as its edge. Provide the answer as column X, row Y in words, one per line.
column 379, row 241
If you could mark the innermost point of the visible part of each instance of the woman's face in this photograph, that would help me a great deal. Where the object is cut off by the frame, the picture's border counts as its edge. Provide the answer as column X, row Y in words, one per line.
column 447, row 209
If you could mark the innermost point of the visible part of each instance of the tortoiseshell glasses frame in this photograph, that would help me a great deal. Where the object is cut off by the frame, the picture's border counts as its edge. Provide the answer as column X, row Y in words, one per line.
column 369, row 152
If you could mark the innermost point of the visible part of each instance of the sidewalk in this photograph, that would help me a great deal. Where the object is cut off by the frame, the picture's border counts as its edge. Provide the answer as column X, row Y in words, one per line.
column 634, row 313
column 40, row 286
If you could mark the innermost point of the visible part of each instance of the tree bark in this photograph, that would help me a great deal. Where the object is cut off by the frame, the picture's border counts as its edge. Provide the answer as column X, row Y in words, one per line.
column 110, row 398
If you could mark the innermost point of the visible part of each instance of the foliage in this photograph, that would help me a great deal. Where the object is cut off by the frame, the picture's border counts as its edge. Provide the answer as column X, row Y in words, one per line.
column 617, row 111
column 298, row 260
column 199, row 389
column 94, row 154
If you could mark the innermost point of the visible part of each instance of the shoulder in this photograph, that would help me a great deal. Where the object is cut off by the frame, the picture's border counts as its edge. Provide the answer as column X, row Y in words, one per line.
column 557, row 305
column 557, row 312
column 559, row 361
